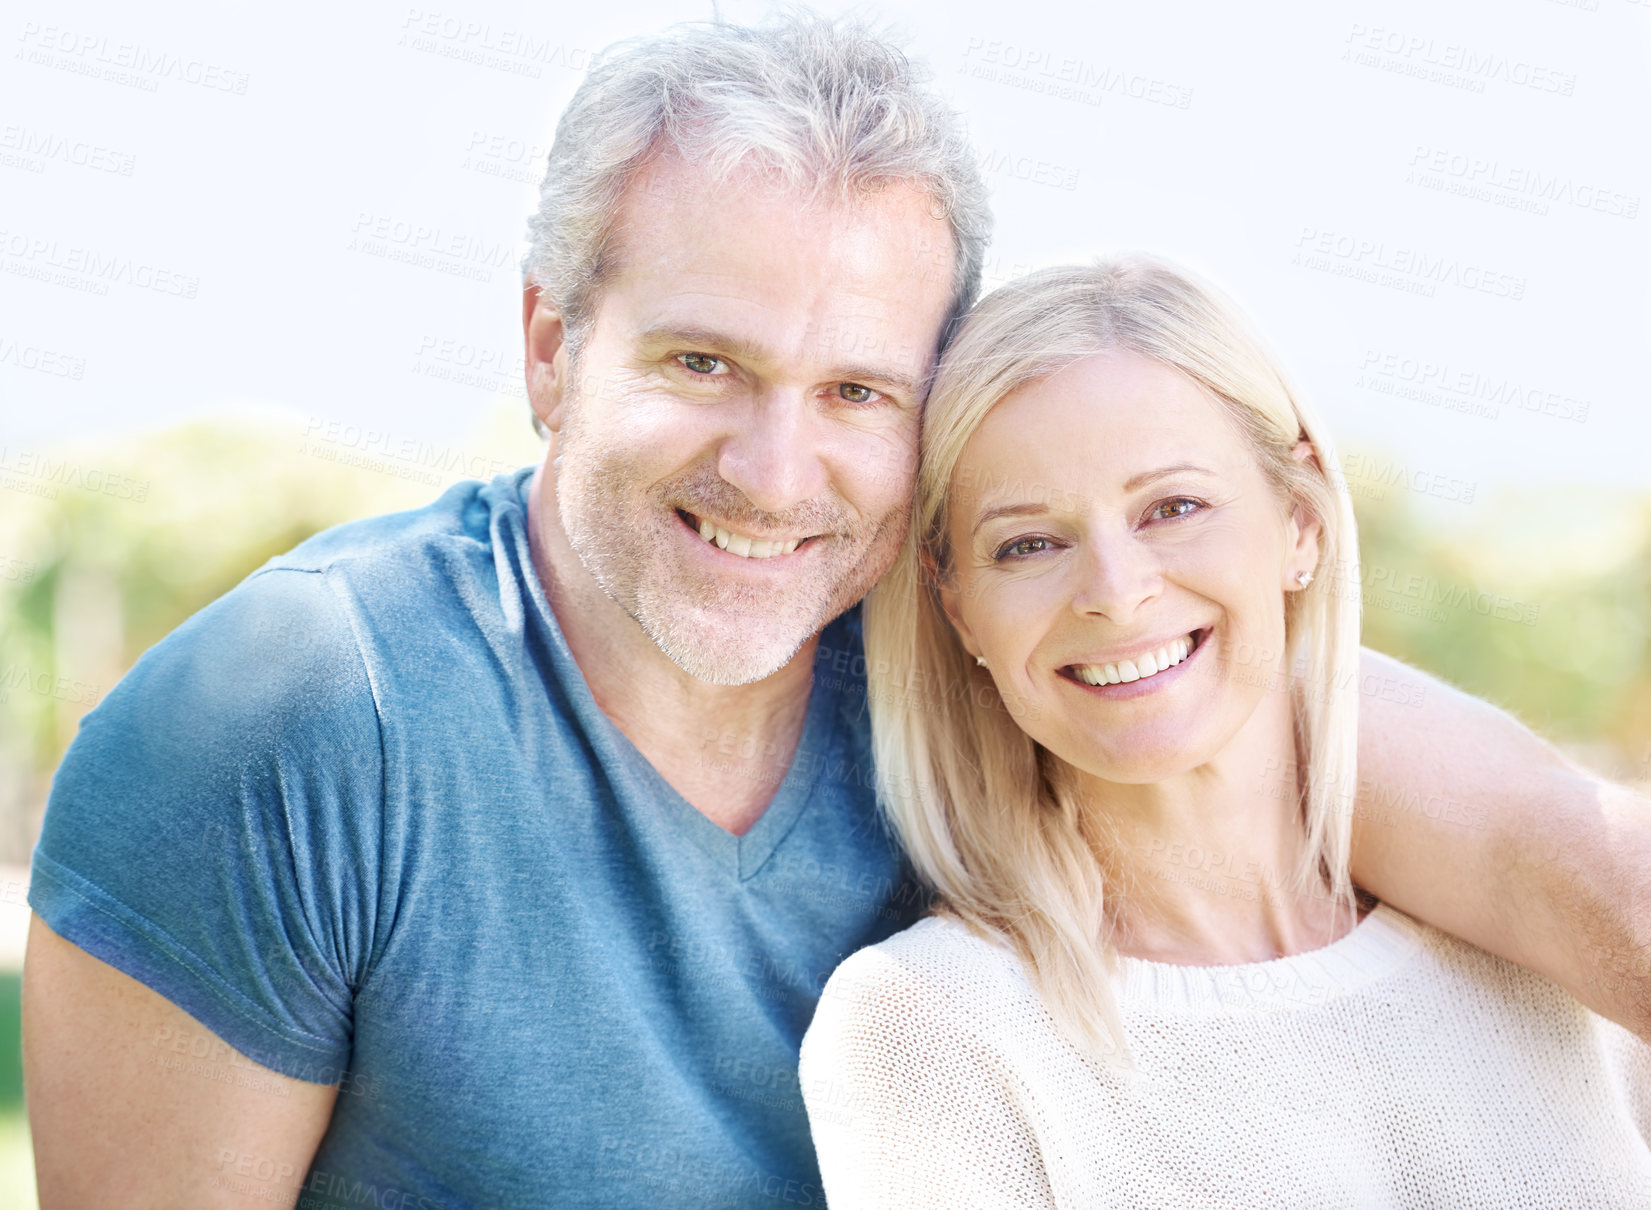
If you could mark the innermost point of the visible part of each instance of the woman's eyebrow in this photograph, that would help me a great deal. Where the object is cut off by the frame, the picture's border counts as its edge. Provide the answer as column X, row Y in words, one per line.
column 1025, row 509
column 1032, row 507
column 1146, row 477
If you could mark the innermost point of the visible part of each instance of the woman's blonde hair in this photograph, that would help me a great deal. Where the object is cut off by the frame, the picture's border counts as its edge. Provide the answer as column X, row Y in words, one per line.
column 992, row 819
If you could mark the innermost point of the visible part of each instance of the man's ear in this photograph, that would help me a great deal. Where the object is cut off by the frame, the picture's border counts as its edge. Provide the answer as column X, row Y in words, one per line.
column 545, row 357
column 950, row 600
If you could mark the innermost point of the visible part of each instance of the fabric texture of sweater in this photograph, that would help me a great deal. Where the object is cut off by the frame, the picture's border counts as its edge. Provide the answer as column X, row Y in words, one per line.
column 1395, row 1067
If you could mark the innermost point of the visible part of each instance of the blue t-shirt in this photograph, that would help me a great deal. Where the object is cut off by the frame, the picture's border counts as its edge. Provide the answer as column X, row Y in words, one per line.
column 362, row 819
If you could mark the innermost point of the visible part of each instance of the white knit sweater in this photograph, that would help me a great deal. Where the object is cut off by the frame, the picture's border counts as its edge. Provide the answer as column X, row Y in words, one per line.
column 1395, row 1067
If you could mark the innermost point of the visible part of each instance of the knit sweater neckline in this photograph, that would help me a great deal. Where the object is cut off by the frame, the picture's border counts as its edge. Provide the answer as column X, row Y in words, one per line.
column 1374, row 947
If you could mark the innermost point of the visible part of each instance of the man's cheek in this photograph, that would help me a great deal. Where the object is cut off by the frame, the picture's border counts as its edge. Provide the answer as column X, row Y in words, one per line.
column 887, row 470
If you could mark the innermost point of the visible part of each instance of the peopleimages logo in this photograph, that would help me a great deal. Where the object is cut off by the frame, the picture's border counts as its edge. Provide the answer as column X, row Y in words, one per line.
column 1365, row 475
column 1449, row 62
column 1457, row 388
column 1065, row 77
column 41, row 360
column 87, row 268
column 122, row 62
column 1517, row 186
column 1409, row 269
column 55, row 472
column 40, row 146
column 513, row 51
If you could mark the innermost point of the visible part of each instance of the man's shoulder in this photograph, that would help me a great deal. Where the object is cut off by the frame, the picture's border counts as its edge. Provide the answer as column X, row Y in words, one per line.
column 367, row 589
column 464, row 518
column 297, row 640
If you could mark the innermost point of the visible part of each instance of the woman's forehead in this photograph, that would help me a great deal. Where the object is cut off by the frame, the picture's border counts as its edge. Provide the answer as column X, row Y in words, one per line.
column 1117, row 415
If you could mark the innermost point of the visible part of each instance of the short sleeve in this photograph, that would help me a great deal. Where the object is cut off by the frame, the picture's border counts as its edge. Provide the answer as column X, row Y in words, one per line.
column 908, row 1107
column 210, row 831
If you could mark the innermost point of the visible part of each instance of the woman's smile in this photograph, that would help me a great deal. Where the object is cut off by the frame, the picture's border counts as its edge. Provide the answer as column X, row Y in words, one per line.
column 1151, row 669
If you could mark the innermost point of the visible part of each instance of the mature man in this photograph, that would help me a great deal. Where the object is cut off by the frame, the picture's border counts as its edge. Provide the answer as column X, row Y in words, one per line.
column 494, row 854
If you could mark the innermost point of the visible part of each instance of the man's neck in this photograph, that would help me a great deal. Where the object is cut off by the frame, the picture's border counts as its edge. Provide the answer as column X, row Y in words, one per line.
column 724, row 748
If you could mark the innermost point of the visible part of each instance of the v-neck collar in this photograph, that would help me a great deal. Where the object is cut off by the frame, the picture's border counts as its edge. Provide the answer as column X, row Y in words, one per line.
column 746, row 854
column 743, row 855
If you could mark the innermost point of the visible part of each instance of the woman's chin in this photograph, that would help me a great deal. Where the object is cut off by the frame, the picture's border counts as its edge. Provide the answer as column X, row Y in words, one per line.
column 1141, row 757
column 1139, row 772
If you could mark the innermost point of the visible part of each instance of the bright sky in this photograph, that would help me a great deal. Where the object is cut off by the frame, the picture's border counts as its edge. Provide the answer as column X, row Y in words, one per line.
column 1437, row 211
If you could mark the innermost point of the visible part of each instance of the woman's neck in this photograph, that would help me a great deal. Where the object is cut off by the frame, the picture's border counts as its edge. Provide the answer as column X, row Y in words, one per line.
column 1203, row 866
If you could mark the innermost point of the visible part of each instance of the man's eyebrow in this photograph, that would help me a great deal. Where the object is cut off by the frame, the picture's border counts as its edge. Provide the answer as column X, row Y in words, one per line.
column 689, row 336
column 900, row 383
column 704, row 338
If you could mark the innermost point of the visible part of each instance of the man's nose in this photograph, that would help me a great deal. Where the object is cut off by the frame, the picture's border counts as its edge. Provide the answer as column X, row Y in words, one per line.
column 1117, row 574
column 775, row 454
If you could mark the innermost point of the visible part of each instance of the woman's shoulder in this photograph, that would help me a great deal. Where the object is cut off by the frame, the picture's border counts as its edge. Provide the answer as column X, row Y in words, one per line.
column 938, row 953
column 937, row 976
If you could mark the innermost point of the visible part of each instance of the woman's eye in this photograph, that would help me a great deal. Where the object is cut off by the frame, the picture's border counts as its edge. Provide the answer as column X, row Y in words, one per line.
column 1021, row 547
column 855, row 393
column 700, row 363
column 1179, row 507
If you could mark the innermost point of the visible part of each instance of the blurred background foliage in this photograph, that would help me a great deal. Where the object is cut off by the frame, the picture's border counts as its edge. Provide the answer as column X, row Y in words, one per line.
column 1538, row 601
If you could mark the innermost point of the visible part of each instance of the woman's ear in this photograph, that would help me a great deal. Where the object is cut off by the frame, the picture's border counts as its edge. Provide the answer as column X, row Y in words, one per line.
column 1305, row 528
column 945, row 583
column 1303, row 451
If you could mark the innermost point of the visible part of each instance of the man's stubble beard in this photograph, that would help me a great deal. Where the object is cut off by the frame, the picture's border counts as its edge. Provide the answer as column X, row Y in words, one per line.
column 694, row 626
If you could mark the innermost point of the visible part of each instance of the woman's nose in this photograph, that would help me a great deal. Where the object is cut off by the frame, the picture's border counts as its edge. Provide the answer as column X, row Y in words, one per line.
column 1116, row 575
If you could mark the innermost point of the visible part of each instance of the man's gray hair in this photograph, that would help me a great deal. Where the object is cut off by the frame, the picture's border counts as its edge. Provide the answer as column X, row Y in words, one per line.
column 815, row 102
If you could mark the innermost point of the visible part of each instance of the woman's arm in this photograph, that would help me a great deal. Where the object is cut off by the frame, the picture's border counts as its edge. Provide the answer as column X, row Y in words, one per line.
column 1470, row 822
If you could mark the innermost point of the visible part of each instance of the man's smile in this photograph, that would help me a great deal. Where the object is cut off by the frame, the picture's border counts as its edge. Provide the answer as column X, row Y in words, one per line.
column 746, row 546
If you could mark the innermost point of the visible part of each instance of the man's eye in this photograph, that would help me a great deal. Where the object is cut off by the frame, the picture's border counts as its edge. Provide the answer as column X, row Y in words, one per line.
column 1021, row 547
column 700, row 363
column 855, row 393
column 1178, row 507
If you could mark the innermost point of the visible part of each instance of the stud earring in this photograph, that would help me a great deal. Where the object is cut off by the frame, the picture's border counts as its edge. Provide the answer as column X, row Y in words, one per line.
column 1304, row 578
column 981, row 660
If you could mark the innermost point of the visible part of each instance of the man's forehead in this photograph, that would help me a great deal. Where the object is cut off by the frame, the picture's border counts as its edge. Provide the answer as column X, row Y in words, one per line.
column 746, row 224
column 778, row 274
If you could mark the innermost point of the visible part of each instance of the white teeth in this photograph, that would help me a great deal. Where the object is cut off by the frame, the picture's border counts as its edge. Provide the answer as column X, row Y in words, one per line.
column 739, row 544
column 1142, row 666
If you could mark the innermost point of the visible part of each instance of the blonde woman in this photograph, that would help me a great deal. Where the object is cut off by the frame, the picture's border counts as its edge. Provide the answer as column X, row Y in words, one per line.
column 1113, row 687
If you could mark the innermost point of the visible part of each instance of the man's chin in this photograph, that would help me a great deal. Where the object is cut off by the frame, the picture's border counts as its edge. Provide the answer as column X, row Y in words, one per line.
column 732, row 650
column 721, row 666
